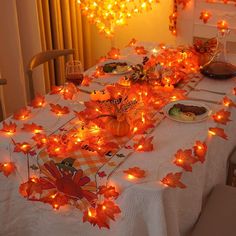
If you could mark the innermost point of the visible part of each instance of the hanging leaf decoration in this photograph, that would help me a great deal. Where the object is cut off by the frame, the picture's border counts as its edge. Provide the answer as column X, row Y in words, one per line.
column 173, row 180
column 219, row 132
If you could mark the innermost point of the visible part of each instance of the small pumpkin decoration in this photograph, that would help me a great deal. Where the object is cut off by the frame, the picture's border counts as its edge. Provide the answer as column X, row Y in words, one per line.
column 100, row 95
column 118, row 126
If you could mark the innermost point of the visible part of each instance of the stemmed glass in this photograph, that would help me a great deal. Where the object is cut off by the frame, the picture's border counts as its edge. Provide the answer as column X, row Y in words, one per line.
column 74, row 72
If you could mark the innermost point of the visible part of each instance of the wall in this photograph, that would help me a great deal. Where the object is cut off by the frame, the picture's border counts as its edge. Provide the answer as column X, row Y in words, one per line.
column 149, row 26
column 11, row 65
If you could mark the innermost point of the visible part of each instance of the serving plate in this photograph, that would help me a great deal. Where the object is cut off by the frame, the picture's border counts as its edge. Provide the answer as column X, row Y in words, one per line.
column 198, row 118
column 118, row 72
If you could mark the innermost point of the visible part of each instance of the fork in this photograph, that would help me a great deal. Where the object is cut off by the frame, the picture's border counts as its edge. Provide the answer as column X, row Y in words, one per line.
column 205, row 90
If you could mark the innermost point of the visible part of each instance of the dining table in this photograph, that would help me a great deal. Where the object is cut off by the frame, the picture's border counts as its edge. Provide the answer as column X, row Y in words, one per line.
column 147, row 206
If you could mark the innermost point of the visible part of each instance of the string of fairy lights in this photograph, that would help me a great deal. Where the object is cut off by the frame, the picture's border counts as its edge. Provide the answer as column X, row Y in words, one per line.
column 109, row 14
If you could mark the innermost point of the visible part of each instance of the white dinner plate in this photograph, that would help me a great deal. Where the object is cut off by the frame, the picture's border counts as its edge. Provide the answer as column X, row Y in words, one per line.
column 198, row 118
column 129, row 69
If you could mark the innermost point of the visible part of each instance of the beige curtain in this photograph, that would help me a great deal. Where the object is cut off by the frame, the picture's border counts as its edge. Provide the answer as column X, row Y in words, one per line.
column 62, row 26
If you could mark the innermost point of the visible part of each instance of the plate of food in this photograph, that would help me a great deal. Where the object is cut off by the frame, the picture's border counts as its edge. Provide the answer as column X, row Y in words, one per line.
column 187, row 111
column 116, row 67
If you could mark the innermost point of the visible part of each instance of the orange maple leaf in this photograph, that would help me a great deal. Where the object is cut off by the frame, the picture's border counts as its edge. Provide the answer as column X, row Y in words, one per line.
column 30, row 187
column 114, row 53
column 86, row 81
column 109, row 208
column 22, row 147
column 108, row 191
column 56, row 89
column 59, row 110
column 219, row 132
column 221, row 116
column 38, row 101
column 132, row 42
column 7, row 168
column 184, row 159
column 135, row 172
column 40, row 139
column 32, row 128
column 69, row 91
column 140, row 50
column 200, row 150
column 173, row 180
column 228, row 102
column 144, row 145
column 22, row 114
column 9, row 128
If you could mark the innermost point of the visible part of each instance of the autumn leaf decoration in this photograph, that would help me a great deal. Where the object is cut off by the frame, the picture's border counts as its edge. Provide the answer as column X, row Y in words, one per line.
column 135, row 172
column 7, row 168
column 22, row 114
column 173, row 180
column 140, row 50
column 144, row 144
column 32, row 128
column 105, row 211
column 228, row 102
column 9, row 128
column 38, row 101
column 200, row 150
column 185, row 159
column 30, row 187
column 222, row 117
column 56, row 90
column 219, row 132
column 59, row 110
column 22, row 147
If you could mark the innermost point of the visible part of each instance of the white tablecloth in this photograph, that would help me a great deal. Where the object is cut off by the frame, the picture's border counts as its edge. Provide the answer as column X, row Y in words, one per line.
column 148, row 208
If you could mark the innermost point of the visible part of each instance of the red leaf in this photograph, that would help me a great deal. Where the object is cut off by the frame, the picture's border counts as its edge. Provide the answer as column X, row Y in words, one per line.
column 219, row 132
column 9, row 128
column 32, row 128
column 200, row 150
column 40, row 139
column 59, row 110
column 135, row 172
column 221, row 116
column 184, row 159
column 38, row 101
column 228, row 102
column 108, row 191
column 56, row 89
column 173, row 180
column 114, row 53
column 140, row 50
column 144, row 145
column 30, row 187
column 22, row 114
column 102, row 174
column 86, row 81
column 7, row 168
column 69, row 91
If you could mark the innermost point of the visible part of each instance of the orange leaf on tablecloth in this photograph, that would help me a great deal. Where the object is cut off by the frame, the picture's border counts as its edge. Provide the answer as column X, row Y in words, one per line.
column 59, row 110
column 109, row 208
column 30, row 187
column 22, row 114
column 200, row 150
column 38, row 101
column 22, row 147
column 40, row 139
column 56, row 89
column 135, row 172
column 228, row 102
column 144, row 145
column 86, row 81
column 7, row 168
column 114, row 53
column 69, row 91
column 185, row 159
column 108, row 191
column 9, row 128
column 32, row 128
column 140, row 50
column 219, row 132
column 222, row 116
column 173, row 180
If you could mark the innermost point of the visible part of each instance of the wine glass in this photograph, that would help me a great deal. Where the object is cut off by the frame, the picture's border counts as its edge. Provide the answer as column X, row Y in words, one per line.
column 74, row 72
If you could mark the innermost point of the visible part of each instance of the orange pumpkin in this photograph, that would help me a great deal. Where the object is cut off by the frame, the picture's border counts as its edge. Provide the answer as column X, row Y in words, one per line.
column 118, row 126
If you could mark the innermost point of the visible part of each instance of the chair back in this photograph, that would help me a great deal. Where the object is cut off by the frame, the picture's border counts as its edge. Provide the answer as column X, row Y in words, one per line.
column 2, row 103
column 42, row 58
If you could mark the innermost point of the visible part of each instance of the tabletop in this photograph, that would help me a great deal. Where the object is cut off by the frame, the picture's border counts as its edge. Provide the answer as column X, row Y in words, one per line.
column 160, row 175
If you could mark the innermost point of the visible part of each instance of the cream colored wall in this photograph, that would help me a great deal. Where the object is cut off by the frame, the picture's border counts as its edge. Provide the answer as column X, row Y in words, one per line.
column 149, row 26
column 11, row 66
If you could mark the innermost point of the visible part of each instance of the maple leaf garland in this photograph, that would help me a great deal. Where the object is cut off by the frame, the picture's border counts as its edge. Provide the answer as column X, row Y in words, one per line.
column 135, row 172
column 222, row 117
column 185, row 159
column 144, row 144
column 200, row 150
column 173, row 180
column 219, row 132
column 108, row 191
column 59, row 110
column 7, row 168
column 9, row 128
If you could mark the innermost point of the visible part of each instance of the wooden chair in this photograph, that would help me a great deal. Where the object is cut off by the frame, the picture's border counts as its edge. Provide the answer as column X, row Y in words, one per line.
column 40, row 59
column 219, row 214
column 2, row 110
